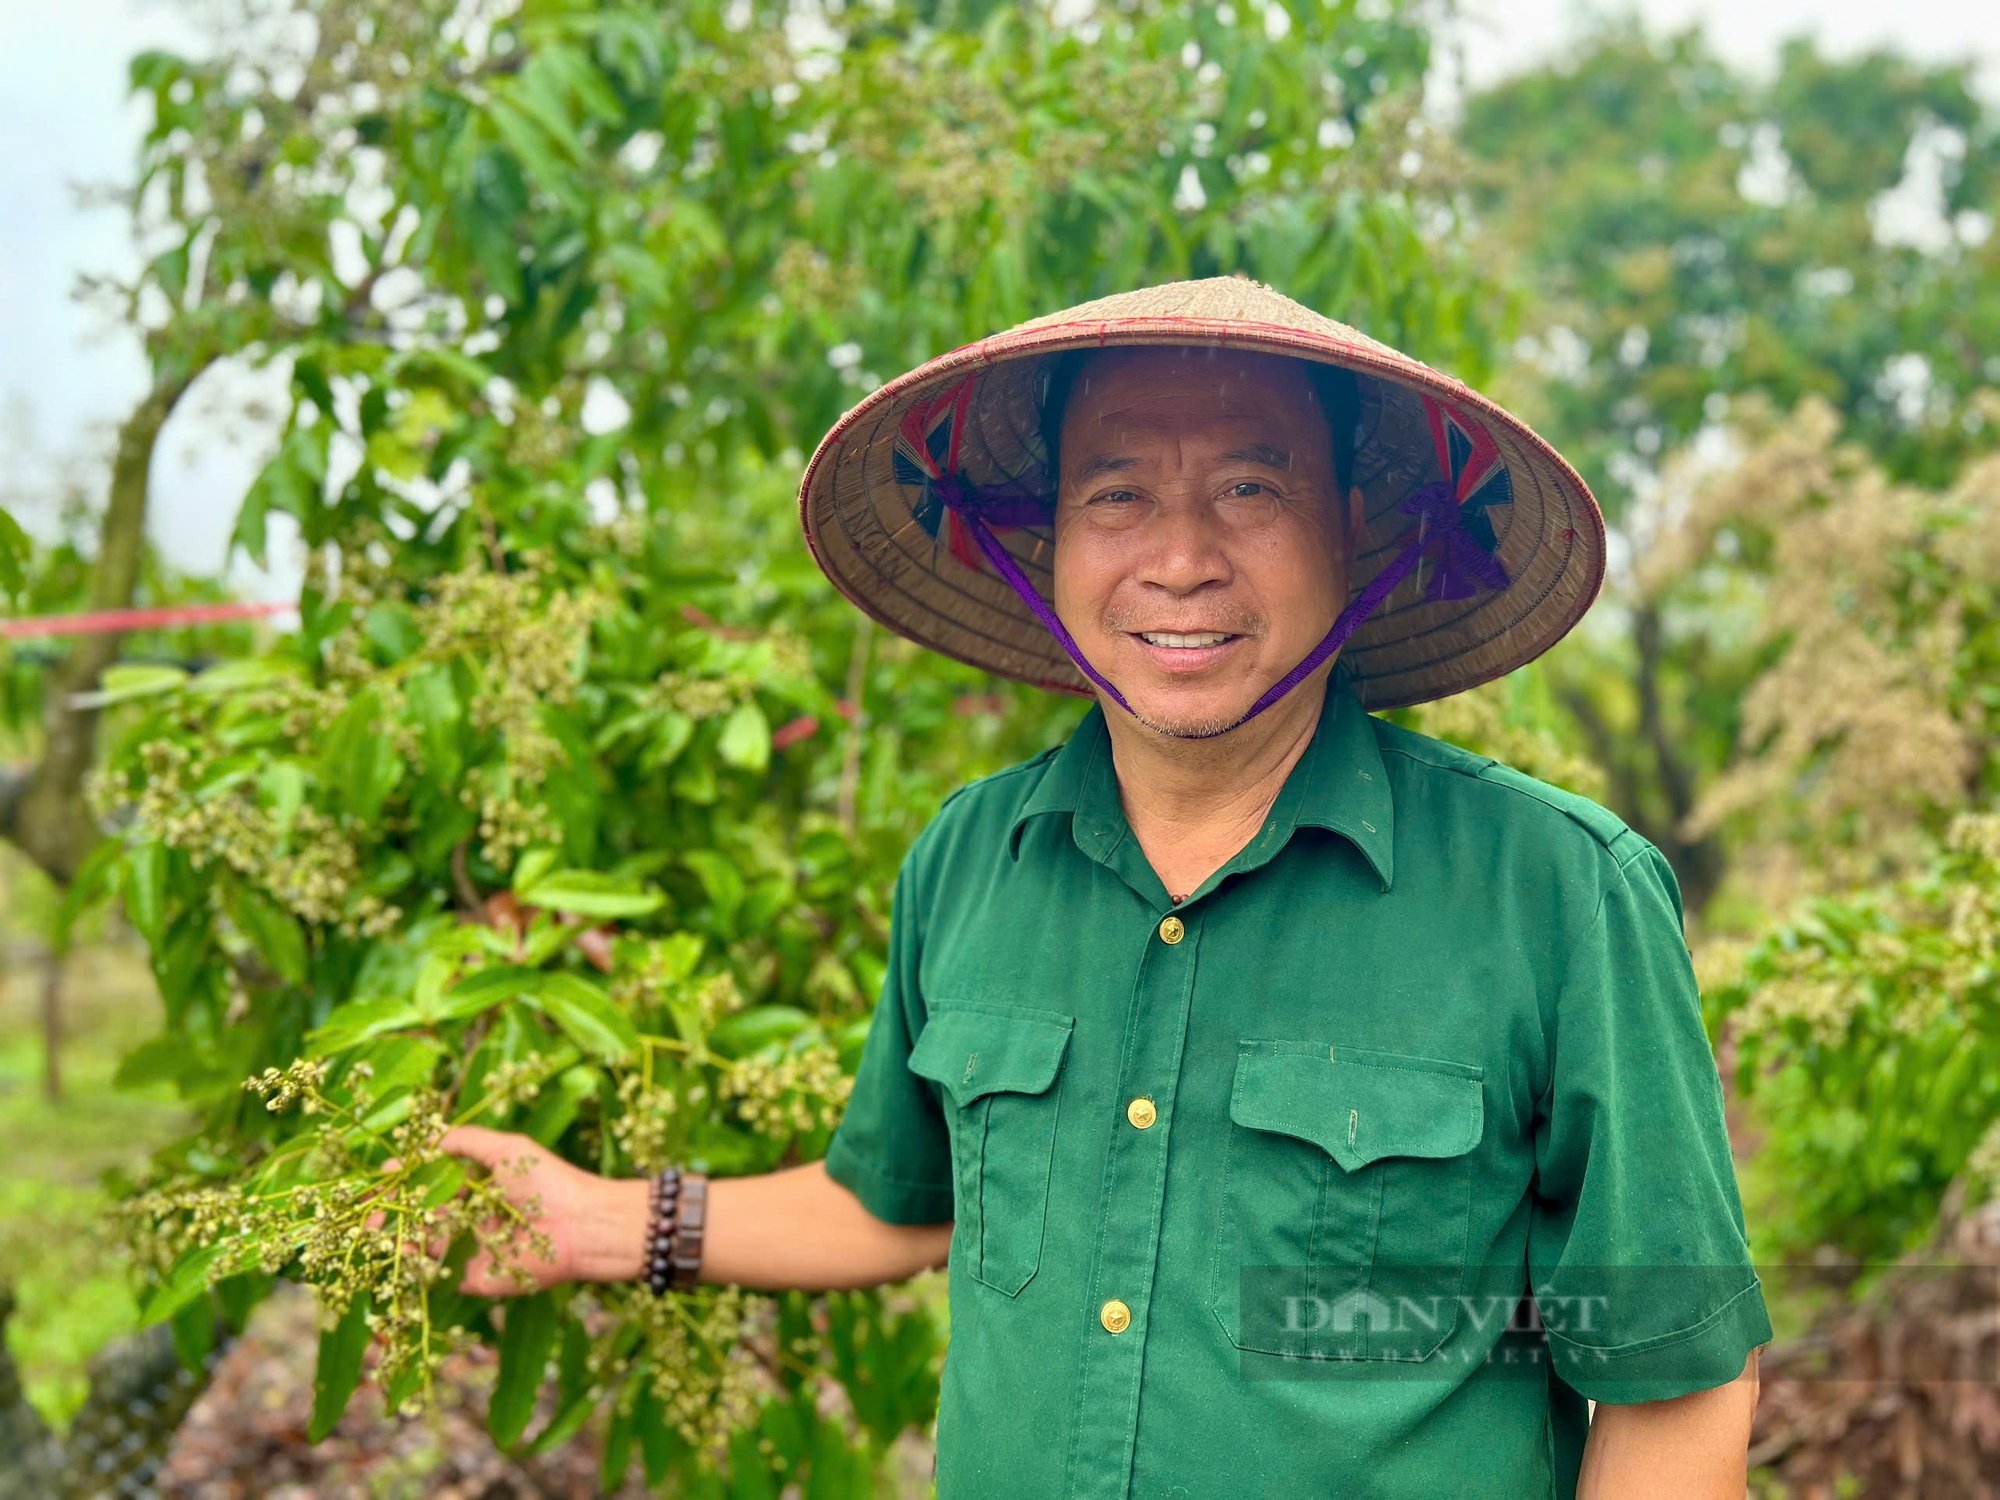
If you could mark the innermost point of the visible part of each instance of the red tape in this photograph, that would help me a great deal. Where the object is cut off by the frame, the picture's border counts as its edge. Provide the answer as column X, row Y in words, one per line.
column 120, row 621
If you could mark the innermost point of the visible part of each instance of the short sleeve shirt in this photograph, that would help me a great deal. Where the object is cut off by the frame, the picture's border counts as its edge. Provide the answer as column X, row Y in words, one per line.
column 1354, row 1173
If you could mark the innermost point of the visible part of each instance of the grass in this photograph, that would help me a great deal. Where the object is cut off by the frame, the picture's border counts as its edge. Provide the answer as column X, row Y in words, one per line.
column 55, row 1250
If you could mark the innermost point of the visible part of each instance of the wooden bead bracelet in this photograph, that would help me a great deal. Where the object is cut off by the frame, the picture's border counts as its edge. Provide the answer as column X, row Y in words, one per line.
column 674, row 1230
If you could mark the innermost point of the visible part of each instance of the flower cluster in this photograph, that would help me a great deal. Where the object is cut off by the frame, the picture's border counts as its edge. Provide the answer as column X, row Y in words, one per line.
column 298, row 1083
column 352, row 1229
column 1862, row 605
column 798, row 1091
column 698, row 697
column 643, row 1125
column 310, row 866
column 702, row 1370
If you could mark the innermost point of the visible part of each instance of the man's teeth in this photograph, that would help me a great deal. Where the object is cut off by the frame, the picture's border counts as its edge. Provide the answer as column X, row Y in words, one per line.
column 1160, row 638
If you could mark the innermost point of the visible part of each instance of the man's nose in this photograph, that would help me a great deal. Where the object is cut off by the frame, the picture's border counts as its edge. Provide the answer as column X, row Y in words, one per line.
column 1183, row 547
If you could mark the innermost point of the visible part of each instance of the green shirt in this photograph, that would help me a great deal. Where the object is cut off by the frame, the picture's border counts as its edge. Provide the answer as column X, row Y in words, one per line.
column 1353, row 1174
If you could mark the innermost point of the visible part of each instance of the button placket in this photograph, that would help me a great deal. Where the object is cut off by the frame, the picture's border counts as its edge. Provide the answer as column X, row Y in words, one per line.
column 1126, row 1258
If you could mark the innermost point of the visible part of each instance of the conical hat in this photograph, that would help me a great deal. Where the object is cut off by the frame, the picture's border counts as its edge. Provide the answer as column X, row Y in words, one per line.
column 909, row 563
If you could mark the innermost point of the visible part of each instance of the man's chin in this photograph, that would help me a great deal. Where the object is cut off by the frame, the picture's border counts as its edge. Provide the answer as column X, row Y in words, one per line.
column 1194, row 716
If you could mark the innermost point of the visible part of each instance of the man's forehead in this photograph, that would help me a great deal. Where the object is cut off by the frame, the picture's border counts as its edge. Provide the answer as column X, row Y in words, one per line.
column 1193, row 401
column 1178, row 384
column 1180, row 365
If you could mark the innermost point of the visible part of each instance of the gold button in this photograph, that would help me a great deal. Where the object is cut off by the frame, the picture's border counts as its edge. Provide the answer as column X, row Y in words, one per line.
column 1141, row 1112
column 1171, row 930
column 1115, row 1316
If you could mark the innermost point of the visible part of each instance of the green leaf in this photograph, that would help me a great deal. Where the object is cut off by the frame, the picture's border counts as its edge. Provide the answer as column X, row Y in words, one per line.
column 338, row 1373
column 590, row 893
column 122, row 683
column 360, row 759
column 284, row 786
column 14, row 550
column 479, row 992
column 557, row 1107
column 440, row 1179
column 292, row 482
column 587, row 1015
column 533, row 865
column 272, row 930
column 152, row 70
column 671, row 734
column 249, row 673
column 434, row 701
column 392, row 630
column 185, row 1281
column 760, row 1026
column 619, row 1433
column 525, row 1346
column 94, row 880
column 746, row 739
column 193, row 1330
column 146, row 890
column 574, row 1398
column 721, row 879
column 359, row 1020
column 161, row 1060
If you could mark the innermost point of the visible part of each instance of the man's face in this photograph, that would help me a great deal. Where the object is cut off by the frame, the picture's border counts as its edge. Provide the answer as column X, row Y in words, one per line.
column 1196, row 498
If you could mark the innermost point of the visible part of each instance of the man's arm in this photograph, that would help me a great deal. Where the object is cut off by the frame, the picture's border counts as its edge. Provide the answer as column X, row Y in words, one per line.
column 795, row 1229
column 800, row 1229
column 1692, row 1447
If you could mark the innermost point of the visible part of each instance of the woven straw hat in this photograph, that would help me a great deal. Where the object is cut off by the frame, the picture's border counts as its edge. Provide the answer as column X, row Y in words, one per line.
column 891, row 500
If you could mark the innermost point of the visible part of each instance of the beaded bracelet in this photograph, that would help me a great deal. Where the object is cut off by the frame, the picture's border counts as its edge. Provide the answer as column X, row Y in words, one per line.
column 674, row 1230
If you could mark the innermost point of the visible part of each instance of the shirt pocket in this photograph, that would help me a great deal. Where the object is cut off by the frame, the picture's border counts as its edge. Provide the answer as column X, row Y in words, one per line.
column 997, row 1064
column 1346, row 1199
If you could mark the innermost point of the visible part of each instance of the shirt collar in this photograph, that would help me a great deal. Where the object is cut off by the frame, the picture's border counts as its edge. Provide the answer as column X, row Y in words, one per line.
column 1339, row 783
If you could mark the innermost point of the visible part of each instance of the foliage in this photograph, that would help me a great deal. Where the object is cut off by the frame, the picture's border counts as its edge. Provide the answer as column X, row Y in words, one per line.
column 507, row 847
column 1695, row 234
column 1858, row 619
column 517, row 829
column 1869, row 1031
column 14, row 554
column 1855, row 621
column 72, row 1281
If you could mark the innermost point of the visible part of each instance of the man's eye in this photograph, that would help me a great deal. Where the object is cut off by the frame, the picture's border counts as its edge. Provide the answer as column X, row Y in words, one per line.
column 1114, row 494
column 1247, row 484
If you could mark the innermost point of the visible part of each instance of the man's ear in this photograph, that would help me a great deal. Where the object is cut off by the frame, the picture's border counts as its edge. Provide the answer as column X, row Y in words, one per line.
column 1354, row 524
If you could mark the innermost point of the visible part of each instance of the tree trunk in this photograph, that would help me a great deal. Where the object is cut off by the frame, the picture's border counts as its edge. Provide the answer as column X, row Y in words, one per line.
column 43, row 813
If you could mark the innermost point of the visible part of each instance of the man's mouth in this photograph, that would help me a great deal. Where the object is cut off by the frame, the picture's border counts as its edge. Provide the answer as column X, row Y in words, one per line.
column 1189, row 652
column 1184, row 642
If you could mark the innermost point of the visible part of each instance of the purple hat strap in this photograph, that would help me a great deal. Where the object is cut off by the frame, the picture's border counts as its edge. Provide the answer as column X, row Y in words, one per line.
column 1464, row 566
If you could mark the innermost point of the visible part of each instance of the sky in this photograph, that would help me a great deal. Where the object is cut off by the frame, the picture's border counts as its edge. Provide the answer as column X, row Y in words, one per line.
column 65, row 378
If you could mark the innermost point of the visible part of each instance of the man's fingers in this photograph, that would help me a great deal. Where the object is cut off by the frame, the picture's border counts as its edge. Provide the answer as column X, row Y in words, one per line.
column 487, row 1277
column 487, row 1147
column 479, row 1280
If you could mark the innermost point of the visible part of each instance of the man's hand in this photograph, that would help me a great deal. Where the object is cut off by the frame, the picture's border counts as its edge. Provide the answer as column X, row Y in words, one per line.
column 595, row 1227
column 792, row 1229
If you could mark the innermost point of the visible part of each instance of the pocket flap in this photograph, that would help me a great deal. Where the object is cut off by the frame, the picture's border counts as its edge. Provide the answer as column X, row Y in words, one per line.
column 1358, row 1112
column 972, row 1053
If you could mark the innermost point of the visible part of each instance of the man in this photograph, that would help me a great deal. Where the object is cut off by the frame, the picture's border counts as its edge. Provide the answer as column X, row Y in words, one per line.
column 1261, row 1069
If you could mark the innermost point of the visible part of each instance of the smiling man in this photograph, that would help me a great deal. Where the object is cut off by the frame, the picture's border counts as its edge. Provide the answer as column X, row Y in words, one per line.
column 1322, row 1109
column 1303, row 1106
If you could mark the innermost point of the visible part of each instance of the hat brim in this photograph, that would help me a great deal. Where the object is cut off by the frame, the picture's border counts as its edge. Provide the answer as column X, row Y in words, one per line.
column 860, row 522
